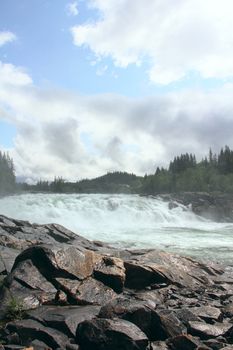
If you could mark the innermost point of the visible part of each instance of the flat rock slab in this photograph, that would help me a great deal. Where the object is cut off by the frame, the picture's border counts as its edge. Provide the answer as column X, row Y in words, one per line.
column 65, row 319
column 158, row 266
column 206, row 331
column 29, row 276
column 104, row 334
column 29, row 330
column 18, row 347
column 185, row 315
column 207, row 313
column 8, row 256
column 87, row 292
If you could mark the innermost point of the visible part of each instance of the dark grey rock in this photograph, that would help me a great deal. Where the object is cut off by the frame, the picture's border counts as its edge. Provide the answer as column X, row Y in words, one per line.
column 60, row 261
column 185, row 315
column 217, row 207
column 206, row 331
column 139, row 276
column 167, row 325
column 8, row 256
column 184, row 342
column 87, row 292
column 111, row 272
column 138, row 312
column 105, row 334
column 65, row 319
column 39, row 345
column 214, row 344
column 207, row 313
column 30, row 330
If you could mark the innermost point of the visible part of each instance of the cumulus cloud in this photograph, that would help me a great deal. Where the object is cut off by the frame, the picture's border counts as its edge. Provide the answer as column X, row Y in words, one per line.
column 176, row 37
column 6, row 37
column 72, row 8
column 14, row 76
column 60, row 133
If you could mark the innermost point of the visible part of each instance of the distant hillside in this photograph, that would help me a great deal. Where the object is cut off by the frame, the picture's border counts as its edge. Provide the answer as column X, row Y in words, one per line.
column 113, row 182
column 184, row 174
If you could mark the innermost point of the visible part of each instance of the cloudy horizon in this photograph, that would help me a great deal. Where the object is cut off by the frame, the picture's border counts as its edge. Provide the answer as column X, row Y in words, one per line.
column 88, row 87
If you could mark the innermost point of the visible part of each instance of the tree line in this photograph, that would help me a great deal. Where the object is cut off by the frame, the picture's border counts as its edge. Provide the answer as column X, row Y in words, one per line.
column 112, row 182
column 212, row 173
column 7, row 174
column 184, row 173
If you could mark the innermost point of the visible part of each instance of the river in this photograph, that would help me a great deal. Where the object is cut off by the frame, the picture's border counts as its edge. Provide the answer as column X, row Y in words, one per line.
column 128, row 221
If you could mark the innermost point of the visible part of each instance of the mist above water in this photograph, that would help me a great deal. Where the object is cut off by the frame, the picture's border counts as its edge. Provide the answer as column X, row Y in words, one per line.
column 127, row 221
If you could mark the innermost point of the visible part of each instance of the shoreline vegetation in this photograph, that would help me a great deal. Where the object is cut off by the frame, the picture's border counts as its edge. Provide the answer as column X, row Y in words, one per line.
column 184, row 174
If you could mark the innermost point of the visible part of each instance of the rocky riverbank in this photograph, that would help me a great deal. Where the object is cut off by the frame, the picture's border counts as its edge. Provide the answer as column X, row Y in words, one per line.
column 213, row 206
column 61, row 291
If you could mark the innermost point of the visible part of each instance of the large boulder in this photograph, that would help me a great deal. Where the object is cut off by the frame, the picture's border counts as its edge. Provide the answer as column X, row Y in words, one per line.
column 111, row 271
column 115, row 334
column 65, row 319
column 156, row 267
column 60, row 261
column 140, row 313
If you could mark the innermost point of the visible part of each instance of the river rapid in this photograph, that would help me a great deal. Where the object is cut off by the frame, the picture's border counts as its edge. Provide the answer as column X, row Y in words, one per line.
column 128, row 221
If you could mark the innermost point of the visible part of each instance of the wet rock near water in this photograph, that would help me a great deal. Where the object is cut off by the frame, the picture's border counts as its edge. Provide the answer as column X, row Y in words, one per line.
column 61, row 291
column 213, row 206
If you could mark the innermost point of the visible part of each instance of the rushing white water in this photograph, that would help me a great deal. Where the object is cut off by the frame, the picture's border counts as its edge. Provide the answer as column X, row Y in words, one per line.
column 127, row 221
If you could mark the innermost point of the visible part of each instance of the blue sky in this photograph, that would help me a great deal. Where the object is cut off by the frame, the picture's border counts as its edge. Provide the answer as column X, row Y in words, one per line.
column 45, row 48
column 101, row 85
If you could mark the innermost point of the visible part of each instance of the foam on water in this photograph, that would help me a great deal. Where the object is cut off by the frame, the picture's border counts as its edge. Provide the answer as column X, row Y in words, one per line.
column 127, row 221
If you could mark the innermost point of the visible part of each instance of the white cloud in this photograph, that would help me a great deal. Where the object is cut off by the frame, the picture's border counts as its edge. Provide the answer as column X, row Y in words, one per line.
column 14, row 76
column 6, row 37
column 177, row 37
column 72, row 8
column 64, row 134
